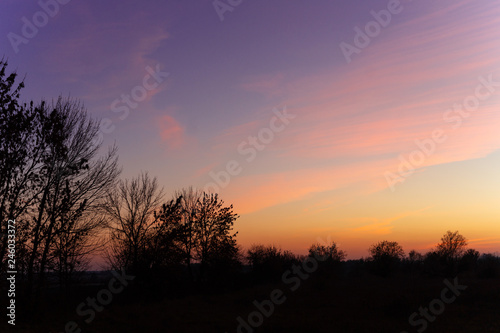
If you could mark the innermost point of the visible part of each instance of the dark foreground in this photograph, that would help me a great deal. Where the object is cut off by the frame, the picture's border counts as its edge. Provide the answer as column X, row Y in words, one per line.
column 320, row 303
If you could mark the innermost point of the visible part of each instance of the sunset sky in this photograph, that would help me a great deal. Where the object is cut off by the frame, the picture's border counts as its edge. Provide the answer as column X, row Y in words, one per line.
column 190, row 92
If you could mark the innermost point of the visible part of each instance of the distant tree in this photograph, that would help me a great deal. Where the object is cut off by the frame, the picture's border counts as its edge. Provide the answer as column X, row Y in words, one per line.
column 386, row 256
column 434, row 263
column 453, row 245
column 414, row 256
column 269, row 262
column 468, row 261
column 258, row 254
column 413, row 262
column 386, row 249
column 327, row 252
column 488, row 266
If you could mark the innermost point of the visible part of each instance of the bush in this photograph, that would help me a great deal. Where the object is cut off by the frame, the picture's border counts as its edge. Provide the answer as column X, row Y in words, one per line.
column 270, row 262
column 488, row 266
column 385, row 257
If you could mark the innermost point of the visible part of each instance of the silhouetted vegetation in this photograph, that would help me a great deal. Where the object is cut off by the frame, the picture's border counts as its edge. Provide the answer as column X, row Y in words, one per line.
column 386, row 256
column 52, row 181
column 269, row 262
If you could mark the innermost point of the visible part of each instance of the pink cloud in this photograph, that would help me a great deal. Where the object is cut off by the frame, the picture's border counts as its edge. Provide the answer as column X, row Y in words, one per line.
column 171, row 132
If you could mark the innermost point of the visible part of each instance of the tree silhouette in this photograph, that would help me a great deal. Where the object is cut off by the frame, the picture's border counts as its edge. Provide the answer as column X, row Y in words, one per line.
column 269, row 262
column 186, row 232
column 130, row 210
column 213, row 230
column 386, row 249
column 386, row 255
column 73, row 182
column 197, row 227
column 49, row 179
column 468, row 261
column 414, row 256
column 453, row 245
column 21, row 150
column 328, row 253
column 167, row 246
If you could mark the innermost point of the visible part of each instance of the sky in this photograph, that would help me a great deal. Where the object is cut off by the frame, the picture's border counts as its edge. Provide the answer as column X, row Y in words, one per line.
column 347, row 121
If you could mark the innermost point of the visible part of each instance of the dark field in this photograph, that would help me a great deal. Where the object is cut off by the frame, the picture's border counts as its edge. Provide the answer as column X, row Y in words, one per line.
column 322, row 303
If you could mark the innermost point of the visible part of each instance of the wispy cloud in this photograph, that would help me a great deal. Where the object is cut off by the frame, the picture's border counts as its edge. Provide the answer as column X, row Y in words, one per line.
column 385, row 226
column 373, row 111
column 171, row 132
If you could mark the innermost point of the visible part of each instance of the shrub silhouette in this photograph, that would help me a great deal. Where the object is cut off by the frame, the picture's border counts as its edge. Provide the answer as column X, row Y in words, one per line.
column 468, row 262
column 385, row 256
column 445, row 259
column 329, row 256
column 269, row 262
column 327, row 252
column 488, row 266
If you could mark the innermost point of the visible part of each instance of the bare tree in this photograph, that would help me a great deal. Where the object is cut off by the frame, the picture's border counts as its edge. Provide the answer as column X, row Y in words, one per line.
column 72, row 181
column 50, row 180
column 80, row 223
column 327, row 252
column 21, row 152
column 74, row 242
column 130, row 209
column 453, row 245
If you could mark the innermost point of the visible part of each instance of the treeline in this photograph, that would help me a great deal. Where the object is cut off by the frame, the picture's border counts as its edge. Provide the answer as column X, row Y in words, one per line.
column 449, row 258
